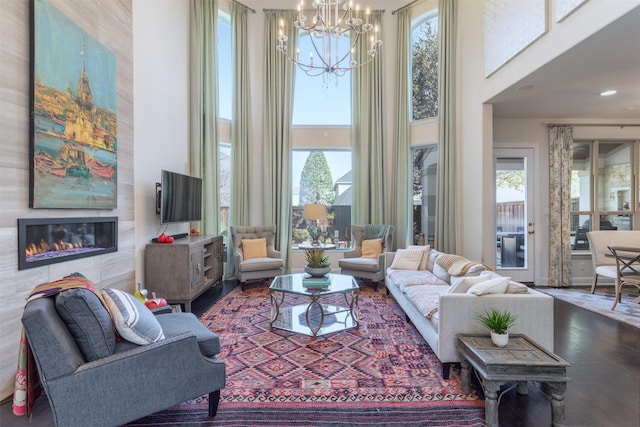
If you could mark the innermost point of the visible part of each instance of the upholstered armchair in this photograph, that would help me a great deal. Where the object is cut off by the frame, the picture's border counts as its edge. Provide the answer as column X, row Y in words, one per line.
column 91, row 379
column 368, row 262
column 255, row 256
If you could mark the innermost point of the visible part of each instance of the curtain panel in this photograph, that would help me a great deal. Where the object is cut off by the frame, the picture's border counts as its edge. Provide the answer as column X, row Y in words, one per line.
column 368, row 134
column 446, row 215
column 278, row 107
column 560, row 165
column 401, row 195
column 203, row 89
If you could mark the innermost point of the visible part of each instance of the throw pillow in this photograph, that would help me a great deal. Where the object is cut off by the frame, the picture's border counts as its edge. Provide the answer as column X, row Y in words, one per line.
column 441, row 273
column 133, row 320
column 254, row 248
column 461, row 284
column 425, row 255
column 406, row 259
column 496, row 285
column 516, row 288
column 433, row 256
column 371, row 248
column 88, row 321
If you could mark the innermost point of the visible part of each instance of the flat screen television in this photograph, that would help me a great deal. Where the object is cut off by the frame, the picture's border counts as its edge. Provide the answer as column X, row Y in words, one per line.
column 180, row 198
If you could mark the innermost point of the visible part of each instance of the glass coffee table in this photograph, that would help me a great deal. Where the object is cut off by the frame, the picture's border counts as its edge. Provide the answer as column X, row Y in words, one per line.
column 314, row 318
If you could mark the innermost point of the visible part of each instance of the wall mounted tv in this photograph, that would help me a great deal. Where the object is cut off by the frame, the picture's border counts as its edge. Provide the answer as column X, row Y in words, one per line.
column 180, row 198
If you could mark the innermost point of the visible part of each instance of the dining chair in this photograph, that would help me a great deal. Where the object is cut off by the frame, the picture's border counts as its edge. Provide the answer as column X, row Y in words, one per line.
column 628, row 266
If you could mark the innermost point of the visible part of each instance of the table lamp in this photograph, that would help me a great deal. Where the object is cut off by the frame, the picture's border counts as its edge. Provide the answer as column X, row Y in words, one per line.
column 314, row 212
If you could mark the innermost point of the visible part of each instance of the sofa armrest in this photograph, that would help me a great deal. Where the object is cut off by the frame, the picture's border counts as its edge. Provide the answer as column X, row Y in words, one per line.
column 388, row 260
column 457, row 315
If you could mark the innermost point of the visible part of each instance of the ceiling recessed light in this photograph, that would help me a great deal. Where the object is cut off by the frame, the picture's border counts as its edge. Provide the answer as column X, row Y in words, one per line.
column 608, row 92
column 525, row 87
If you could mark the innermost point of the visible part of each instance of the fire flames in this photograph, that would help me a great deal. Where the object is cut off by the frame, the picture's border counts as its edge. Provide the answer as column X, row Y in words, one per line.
column 44, row 247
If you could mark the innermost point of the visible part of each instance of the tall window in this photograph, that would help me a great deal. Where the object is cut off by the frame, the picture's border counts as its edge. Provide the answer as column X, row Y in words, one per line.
column 603, row 192
column 424, row 67
column 318, row 104
column 322, row 176
column 425, row 167
column 225, row 83
column 321, row 167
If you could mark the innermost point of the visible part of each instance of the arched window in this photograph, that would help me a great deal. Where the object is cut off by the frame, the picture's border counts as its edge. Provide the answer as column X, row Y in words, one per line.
column 424, row 67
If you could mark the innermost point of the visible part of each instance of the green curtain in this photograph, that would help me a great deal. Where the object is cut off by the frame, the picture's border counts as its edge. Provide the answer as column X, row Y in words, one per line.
column 278, row 107
column 445, row 233
column 368, row 134
column 400, row 176
column 560, row 165
column 240, row 125
column 203, row 85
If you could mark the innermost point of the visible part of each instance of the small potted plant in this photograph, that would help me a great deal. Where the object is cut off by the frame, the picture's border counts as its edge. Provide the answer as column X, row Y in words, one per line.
column 498, row 322
column 317, row 262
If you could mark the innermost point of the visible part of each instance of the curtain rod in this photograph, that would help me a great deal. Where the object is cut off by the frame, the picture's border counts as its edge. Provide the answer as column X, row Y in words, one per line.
column 405, row 6
column 241, row 4
column 621, row 125
column 288, row 10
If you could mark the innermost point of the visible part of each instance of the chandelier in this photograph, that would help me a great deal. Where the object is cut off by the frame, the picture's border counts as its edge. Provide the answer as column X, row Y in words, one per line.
column 331, row 22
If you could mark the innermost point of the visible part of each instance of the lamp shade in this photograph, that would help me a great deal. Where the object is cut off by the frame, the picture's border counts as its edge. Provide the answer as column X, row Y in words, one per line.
column 314, row 211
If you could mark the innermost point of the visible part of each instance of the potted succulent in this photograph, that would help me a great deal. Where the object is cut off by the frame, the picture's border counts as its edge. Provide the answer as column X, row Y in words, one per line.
column 317, row 262
column 498, row 322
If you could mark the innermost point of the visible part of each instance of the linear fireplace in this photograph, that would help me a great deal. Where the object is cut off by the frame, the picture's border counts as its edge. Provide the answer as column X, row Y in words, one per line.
column 43, row 241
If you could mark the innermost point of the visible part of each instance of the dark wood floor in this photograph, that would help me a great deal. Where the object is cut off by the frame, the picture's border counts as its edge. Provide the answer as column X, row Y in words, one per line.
column 604, row 387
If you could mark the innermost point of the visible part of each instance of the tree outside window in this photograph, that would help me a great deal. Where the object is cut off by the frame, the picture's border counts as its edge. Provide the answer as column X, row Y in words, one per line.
column 424, row 68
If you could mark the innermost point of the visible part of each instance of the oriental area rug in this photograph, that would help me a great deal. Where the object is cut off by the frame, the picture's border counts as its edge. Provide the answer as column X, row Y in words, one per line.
column 382, row 373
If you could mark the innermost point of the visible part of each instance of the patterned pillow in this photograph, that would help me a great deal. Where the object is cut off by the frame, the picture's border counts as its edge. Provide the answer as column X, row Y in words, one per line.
column 88, row 321
column 133, row 320
column 425, row 255
column 254, row 248
column 371, row 248
column 407, row 259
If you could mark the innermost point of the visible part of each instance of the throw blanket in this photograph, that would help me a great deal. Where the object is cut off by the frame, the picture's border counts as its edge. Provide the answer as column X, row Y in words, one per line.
column 455, row 265
column 27, row 385
column 373, row 231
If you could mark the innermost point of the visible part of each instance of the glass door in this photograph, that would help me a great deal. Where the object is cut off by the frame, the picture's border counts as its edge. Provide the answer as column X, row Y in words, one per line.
column 514, row 213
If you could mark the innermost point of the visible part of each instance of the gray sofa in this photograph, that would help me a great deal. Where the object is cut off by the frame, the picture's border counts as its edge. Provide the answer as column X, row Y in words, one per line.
column 439, row 314
column 132, row 381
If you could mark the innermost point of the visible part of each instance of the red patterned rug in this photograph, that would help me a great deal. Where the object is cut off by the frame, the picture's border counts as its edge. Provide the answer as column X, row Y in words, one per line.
column 382, row 373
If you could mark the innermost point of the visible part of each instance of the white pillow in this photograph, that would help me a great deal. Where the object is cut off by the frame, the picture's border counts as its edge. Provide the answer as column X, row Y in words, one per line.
column 425, row 255
column 441, row 273
column 497, row 285
column 433, row 256
column 132, row 319
column 461, row 284
column 407, row 259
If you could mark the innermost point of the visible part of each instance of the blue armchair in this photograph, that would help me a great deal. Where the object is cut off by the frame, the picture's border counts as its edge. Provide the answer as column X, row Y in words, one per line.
column 134, row 380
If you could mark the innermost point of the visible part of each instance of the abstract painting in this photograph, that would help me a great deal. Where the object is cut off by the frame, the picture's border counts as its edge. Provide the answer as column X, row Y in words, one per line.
column 74, row 117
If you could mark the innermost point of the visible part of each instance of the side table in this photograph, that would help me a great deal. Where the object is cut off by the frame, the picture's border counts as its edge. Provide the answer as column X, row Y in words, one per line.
column 521, row 360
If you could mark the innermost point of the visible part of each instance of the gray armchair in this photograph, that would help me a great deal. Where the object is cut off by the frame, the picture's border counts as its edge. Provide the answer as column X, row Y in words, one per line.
column 260, row 267
column 373, row 269
column 132, row 382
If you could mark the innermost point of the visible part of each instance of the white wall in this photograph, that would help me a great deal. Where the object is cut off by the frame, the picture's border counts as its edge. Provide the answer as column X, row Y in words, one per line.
column 161, row 113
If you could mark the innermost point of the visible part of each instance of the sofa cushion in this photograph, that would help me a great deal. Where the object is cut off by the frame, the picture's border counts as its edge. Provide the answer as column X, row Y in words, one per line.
column 88, row 321
column 361, row 264
column 371, row 248
column 405, row 278
column 407, row 259
column 424, row 261
column 496, row 285
column 426, row 298
column 174, row 324
column 260, row 264
column 441, row 272
column 254, row 248
column 132, row 319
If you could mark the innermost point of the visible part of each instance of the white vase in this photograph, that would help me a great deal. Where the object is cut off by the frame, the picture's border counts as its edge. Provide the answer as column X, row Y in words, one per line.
column 317, row 271
column 500, row 340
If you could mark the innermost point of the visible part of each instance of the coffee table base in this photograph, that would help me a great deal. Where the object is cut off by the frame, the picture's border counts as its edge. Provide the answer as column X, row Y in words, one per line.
column 331, row 319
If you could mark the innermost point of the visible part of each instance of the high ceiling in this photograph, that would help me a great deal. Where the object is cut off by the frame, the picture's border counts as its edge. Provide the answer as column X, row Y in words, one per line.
column 570, row 85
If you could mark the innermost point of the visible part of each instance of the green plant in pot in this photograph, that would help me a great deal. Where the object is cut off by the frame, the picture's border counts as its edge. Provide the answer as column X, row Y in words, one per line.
column 498, row 322
column 317, row 262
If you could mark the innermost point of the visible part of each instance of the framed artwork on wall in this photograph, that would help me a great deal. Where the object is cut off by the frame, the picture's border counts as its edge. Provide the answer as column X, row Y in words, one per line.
column 73, row 151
